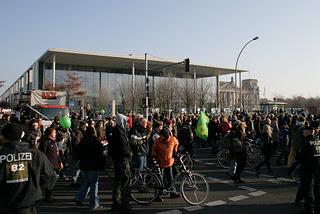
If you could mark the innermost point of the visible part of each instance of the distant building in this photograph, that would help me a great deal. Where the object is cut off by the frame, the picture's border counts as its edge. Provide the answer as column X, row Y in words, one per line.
column 250, row 94
column 105, row 79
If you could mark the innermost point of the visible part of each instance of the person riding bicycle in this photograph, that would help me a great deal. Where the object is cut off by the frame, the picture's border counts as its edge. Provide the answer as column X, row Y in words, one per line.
column 163, row 151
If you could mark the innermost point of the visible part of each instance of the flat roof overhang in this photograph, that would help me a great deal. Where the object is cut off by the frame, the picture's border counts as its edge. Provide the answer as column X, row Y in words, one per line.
column 123, row 64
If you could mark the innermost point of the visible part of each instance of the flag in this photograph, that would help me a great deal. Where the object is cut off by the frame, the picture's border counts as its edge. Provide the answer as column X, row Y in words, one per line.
column 202, row 126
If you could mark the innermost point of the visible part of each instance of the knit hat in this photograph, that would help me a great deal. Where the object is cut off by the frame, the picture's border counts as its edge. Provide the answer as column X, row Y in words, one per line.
column 12, row 132
column 168, row 122
column 165, row 132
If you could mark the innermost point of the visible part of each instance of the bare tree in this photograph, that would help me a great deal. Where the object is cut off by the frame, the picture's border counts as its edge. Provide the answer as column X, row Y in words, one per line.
column 166, row 93
column 162, row 95
column 203, row 93
column 299, row 102
column 186, row 93
column 104, row 99
column 1, row 83
column 125, row 94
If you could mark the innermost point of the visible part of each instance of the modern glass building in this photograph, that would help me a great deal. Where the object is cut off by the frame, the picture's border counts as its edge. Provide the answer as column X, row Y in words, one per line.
column 105, row 77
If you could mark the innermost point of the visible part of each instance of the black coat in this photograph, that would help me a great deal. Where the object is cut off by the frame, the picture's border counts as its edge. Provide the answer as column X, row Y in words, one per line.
column 90, row 154
column 310, row 153
column 50, row 149
column 139, row 141
column 119, row 146
column 18, row 191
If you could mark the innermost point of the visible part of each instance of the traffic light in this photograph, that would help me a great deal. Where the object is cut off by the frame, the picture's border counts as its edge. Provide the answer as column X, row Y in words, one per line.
column 187, row 65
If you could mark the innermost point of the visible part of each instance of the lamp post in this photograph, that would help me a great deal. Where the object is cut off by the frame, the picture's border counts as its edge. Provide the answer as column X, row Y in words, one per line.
column 236, row 68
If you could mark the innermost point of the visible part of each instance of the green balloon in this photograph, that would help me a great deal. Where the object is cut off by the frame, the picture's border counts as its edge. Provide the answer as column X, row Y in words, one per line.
column 102, row 111
column 65, row 122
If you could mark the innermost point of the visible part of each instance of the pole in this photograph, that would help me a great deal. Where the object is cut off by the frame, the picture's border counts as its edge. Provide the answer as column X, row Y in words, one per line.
column 236, row 68
column 146, row 85
column 195, row 90
column 133, row 87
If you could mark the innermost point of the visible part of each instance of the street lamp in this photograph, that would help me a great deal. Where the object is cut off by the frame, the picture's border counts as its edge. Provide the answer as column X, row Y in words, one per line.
column 236, row 68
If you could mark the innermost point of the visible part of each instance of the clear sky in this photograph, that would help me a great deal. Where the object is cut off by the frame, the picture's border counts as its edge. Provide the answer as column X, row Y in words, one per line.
column 285, row 60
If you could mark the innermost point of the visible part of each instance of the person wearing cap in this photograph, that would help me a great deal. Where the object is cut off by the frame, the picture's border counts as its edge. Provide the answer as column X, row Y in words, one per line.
column 23, row 173
column 310, row 168
column 121, row 153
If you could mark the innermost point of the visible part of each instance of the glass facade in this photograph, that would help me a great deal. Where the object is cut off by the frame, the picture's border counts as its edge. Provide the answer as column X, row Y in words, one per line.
column 100, row 86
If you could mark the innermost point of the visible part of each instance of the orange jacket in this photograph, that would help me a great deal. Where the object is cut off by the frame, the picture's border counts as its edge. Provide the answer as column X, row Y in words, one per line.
column 163, row 150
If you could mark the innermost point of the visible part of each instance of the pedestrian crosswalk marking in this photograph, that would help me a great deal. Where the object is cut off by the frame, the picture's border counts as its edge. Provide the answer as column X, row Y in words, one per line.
column 215, row 203
column 193, row 208
column 238, row 198
column 171, row 212
column 210, row 163
column 273, row 180
column 226, row 182
column 247, row 188
column 266, row 176
column 286, row 179
column 258, row 193
column 214, row 179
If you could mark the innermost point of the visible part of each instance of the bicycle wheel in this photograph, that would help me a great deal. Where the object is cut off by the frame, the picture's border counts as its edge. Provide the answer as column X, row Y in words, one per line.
column 194, row 189
column 145, row 187
column 223, row 158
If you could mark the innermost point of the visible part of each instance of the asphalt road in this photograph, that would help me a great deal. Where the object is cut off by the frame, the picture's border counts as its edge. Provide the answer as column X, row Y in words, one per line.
column 265, row 194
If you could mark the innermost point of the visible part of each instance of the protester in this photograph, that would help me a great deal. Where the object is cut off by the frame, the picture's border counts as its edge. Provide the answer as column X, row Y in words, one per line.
column 267, row 146
column 21, row 179
column 92, row 161
column 185, row 137
column 121, row 155
column 139, row 144
column 48, row 146
column 33, row 136
column 164, row 148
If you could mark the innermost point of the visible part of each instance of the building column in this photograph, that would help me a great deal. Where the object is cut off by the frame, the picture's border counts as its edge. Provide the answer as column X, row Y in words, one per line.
column 54, row 71
column 217, row 92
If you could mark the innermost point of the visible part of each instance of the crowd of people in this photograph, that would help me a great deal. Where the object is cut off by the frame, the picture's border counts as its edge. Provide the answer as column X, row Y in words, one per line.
column 135, row 141
column 292, row 139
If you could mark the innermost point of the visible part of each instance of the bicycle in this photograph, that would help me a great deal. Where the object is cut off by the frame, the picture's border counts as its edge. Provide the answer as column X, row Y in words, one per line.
column 194, row 188
column 144, row 187
column 253, row 152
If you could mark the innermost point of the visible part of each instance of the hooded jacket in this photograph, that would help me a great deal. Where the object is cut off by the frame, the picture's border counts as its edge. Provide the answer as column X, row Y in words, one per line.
column 119, row 146
column 23, row 171
column 163, row 151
